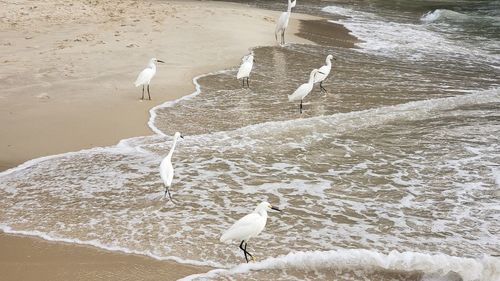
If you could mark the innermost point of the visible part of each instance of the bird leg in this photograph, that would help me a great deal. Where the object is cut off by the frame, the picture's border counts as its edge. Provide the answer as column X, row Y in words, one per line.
column 148, row 93
column 167, row 191
column 142, row 92
column 245, row 251
column 321, row 87
column 248, row 83
column 283, row 37
column 300, row 107
column 253, row 259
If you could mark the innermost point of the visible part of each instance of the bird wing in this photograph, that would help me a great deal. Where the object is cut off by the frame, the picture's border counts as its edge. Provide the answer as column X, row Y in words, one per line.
column 245, row 69
column 166, row 171
column 300, row 93
column 280, row 24
column 144, row 77
column 242, row 229
column 322, row 73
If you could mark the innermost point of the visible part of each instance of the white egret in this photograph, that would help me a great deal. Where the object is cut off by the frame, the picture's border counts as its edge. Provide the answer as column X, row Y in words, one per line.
column 323, row 72
column 144, row 78
column 282, row 22
column 248, row 226
column 304, row 89
column 245, row 68
column 166, row 168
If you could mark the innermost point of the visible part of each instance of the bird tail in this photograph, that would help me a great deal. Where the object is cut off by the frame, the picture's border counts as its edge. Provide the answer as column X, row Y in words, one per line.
column 224, row 238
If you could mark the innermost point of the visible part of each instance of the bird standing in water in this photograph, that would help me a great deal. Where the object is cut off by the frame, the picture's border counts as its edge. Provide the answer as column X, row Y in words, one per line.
column 248, row 226
column 166, row 168
column 304, row 89
column 323, row 72
column 245, row 68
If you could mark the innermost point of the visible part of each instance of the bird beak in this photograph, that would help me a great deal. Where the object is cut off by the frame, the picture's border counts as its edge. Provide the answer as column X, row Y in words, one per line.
column 253, row 60
column 160, row 61
column 182, row 136
column 276, row 209
column 334, row 58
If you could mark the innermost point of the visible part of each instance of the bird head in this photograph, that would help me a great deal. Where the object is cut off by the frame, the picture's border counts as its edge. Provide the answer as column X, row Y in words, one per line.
column 266, row 206
column 177, row 135
column 329, row 57
column 157, row 60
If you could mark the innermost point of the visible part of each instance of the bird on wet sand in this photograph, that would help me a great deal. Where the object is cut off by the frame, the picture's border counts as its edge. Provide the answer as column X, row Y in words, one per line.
column 248, row 226
column 144, row 78
column 282, row 23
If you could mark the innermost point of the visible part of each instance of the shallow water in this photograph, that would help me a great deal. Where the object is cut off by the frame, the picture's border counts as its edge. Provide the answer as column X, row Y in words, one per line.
column 394, row 174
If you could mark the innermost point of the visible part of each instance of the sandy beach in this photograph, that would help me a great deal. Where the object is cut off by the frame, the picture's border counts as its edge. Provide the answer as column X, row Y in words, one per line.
column 390, row 172
column 66, row 80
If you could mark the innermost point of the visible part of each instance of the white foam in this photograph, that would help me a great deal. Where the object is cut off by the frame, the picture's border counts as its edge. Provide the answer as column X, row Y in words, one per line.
column 485, row 268
column 152, row 111
column 442, row 14
column 406, row 40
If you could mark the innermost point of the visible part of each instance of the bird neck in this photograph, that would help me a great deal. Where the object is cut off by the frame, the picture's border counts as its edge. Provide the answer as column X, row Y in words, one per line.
column 152, row 65
column 172, row 149
column 290, row 5
column 328, row 62
column 311, row 78
column 262, row 213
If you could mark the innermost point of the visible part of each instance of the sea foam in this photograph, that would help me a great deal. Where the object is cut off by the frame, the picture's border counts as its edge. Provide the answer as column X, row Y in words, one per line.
column 481, row 269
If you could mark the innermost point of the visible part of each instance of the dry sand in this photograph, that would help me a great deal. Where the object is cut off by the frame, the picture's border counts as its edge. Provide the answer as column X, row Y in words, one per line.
column 66, row 84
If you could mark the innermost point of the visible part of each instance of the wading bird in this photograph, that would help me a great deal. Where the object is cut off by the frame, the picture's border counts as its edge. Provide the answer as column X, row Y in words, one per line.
column 248, row 226
column 304, row 89
column 144, row 78
column 245, row 68
column 166, row 168
column 323, row 72
column 282, row 22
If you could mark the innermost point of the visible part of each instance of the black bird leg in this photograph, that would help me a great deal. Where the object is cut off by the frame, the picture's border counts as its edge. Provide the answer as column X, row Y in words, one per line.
column 300, row 107
column 148, row 93
column 248, row 252
column 244, row 251
column 167, row 191
column 321, row 87
column 142, row 92
column 248, row 83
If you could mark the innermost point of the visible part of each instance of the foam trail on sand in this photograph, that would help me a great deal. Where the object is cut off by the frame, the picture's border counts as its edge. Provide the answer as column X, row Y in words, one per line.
column 152, row 111
column 97, row 244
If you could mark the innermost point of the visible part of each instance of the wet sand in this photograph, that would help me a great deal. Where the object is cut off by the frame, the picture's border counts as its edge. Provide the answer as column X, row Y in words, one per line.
column 67, row 85
column 27, row 258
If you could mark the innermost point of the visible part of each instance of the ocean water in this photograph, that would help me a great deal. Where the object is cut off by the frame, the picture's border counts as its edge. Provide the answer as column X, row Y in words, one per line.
column 394, row 174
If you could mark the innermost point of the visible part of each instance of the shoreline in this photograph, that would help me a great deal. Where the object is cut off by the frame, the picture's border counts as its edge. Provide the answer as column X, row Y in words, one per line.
column 73, row 89
column 36, row 258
